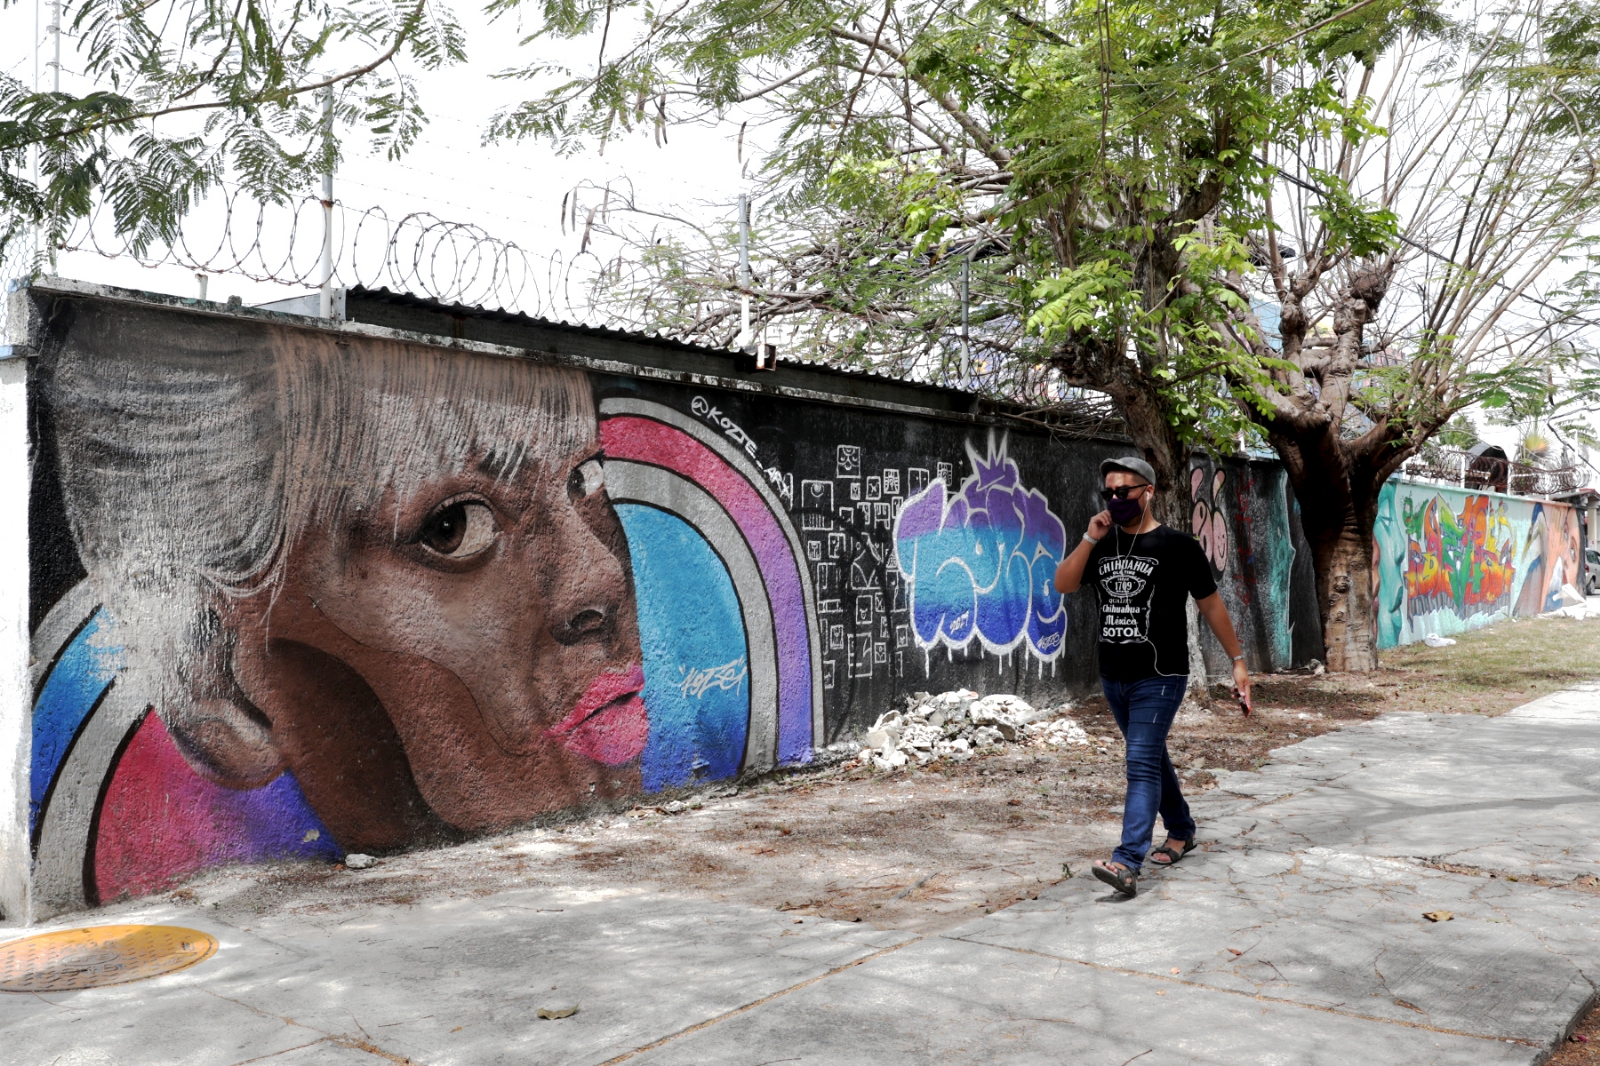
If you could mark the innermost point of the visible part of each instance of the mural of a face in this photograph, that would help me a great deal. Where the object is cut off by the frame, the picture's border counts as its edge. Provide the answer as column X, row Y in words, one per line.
column 396, row 575
column 472, row 631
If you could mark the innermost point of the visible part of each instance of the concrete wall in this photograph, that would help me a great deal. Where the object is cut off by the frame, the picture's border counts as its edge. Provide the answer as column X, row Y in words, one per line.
column 15, row 740
column 298, row 591
column 1447, row 560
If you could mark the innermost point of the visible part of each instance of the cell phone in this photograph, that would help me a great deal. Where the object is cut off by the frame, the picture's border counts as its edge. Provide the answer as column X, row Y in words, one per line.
column 1244, row 705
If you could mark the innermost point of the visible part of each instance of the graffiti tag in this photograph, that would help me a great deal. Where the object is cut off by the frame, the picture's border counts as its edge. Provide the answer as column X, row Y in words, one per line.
column 980, row 562
column 1459, row 561
column 706, row 410
column 727, row 677
column 1206, row 522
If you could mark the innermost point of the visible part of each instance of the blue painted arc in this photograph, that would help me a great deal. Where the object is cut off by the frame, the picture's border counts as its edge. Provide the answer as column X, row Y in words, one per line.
column 696, row 665
column 639, row 483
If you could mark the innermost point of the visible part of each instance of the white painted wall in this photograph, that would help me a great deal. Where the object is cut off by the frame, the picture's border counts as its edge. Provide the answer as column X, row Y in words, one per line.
column 15, row 697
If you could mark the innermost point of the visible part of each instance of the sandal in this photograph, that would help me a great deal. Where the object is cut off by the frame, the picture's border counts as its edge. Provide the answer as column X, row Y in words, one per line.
column 1124, row 881
column 1172, row 857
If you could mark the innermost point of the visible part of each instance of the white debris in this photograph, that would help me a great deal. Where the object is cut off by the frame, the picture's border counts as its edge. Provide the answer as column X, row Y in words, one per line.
column 1573, row 605
column 357, row 861
column 987, row 736
column 1434, row 640
column 1061, row 732
column 955, row 725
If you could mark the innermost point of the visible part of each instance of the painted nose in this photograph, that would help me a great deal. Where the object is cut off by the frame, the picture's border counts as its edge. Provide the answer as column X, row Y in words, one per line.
column 593, row 621
column 591, row 587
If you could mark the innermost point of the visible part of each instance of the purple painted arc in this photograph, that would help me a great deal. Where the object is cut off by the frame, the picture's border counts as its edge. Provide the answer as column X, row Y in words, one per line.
column 645, row 440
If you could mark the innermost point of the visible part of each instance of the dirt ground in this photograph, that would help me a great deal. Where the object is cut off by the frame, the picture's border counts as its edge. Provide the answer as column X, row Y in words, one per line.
column 924, row 849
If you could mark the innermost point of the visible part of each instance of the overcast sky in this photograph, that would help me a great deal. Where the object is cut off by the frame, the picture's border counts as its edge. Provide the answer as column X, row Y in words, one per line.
column 510, row 192
column 513, row 193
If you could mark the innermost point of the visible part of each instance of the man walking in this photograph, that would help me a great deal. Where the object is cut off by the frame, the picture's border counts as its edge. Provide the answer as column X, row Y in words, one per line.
column 1142, row 572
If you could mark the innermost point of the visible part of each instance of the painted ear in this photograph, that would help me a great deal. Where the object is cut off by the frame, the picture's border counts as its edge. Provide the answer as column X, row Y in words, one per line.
column 221, row 734
column 228, row 741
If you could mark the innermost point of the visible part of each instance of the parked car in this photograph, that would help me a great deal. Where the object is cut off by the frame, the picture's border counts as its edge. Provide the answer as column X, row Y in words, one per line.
column 1591, row 571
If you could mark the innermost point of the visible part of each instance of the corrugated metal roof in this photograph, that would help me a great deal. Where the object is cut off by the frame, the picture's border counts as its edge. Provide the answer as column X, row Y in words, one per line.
column 1086, row 421
column 385, row 295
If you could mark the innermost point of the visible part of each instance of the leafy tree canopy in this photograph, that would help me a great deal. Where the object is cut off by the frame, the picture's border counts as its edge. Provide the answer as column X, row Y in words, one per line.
column 187, row 94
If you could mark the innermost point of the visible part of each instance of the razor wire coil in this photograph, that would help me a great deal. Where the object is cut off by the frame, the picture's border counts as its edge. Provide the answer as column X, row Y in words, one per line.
column 417, row 253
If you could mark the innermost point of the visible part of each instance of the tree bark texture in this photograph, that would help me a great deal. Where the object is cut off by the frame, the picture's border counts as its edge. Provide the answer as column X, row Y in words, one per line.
column 1336, row 474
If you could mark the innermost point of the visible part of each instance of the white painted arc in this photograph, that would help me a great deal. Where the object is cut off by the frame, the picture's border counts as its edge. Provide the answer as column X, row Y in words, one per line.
column 622, row 405
column 630, row 482
column 59, row 869
column 69, row 615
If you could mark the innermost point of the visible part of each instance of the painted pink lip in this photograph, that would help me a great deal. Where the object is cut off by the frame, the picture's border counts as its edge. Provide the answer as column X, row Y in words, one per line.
column 608, row 723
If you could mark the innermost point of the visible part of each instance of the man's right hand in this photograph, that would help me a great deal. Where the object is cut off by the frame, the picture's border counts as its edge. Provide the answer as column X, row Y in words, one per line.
column 1100, row 525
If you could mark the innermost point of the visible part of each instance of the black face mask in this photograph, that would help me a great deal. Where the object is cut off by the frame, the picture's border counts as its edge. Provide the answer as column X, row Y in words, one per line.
column 1125, row 511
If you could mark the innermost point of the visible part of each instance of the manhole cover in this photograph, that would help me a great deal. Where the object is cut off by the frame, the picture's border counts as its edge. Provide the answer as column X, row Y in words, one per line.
column 102, row 955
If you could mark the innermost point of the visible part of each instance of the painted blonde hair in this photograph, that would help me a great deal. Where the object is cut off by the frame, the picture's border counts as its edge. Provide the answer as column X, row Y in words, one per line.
column 193, row 460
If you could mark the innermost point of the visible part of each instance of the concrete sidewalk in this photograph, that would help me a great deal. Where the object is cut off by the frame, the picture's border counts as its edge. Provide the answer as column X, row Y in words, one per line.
column 1295, row 936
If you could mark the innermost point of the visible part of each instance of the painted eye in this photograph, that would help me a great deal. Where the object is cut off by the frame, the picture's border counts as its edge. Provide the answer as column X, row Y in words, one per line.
column 459, row 530
column 588, row 479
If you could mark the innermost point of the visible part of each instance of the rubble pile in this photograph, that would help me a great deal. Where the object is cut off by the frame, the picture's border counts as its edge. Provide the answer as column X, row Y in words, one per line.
column 956, row 725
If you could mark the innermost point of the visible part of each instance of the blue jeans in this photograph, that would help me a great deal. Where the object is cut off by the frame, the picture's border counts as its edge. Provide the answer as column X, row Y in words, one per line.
column 1144, row 710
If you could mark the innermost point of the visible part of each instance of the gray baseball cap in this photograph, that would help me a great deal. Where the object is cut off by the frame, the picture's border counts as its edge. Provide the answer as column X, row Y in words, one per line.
column 1129, row 464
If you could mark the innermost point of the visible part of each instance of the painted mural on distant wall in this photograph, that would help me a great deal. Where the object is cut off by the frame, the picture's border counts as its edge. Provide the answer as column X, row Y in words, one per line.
column 1446, row 560
column 300, row 595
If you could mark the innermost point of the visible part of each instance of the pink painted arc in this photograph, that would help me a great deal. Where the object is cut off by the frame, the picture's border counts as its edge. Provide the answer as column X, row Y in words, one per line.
column 644, row 440
column 161, row 822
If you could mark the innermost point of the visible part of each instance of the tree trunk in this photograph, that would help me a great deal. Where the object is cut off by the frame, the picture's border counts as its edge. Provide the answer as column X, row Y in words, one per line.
column 1344, row 595
column 1156, row 442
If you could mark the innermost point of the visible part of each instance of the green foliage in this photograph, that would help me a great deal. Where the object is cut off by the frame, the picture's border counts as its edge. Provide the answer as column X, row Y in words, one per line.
column 1099, row 162
column 190, row 94
column 1460, row 433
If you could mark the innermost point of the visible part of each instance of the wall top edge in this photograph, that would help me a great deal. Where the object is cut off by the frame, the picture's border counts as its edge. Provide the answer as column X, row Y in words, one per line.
column 23, row 341
column 1397, row 479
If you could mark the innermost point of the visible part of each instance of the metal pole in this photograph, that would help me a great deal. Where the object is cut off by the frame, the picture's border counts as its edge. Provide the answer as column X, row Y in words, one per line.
column 38, row 46
column 55, row 86
column 55, row 28
column 326, row 303
column 966, row 337
column 744, row 270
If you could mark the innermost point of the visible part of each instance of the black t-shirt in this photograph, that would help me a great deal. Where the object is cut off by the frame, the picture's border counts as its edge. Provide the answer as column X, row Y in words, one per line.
column 1141, row 583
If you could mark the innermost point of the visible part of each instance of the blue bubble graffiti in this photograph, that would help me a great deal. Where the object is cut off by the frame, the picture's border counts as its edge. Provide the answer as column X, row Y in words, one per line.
column 981, row 562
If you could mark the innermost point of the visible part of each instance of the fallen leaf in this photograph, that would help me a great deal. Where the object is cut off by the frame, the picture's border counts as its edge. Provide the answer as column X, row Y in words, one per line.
column 1438, row 916
column 1013, row 803
column 1176, row 970
column 1409, row 1006
column 558, row 1012
column 1161, row 993
column 1236, row 951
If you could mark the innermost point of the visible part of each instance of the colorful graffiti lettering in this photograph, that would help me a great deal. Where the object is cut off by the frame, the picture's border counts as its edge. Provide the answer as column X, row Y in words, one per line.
column 1462, row 562
column 1445, row 560
column 981, row 562
column 1206, row 521
column 1240, row 516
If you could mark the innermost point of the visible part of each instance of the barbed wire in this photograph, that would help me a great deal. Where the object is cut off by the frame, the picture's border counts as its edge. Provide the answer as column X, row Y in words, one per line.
column 418, row 253
column 610, row 280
